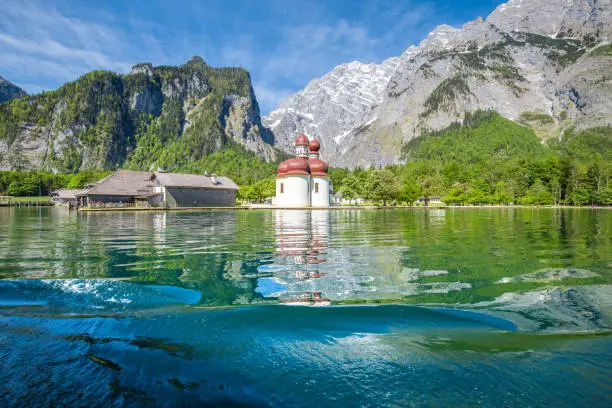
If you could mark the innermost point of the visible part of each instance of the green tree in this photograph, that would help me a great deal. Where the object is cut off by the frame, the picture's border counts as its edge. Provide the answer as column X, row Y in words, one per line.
column 409, row 192
column 503, row 193
column 382, row 185
column 337, row 176
column 349, row 189
column 431, row 186
column 267, row 187
column 538, row 194
column 457, row 194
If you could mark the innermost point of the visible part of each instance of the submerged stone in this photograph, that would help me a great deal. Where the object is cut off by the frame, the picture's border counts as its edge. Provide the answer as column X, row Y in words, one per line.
column 104, row 362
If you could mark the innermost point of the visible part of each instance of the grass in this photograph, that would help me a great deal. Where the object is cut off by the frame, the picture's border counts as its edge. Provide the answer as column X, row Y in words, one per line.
column 602, row 51
column 42, row 199
column 542, row 118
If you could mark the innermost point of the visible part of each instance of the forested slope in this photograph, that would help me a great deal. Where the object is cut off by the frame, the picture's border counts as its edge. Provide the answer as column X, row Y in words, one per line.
column 153, row 116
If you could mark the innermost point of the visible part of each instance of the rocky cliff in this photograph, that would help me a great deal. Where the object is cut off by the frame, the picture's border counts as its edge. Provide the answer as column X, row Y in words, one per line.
column 9, row 91
column 153, row 116
column 545, row 64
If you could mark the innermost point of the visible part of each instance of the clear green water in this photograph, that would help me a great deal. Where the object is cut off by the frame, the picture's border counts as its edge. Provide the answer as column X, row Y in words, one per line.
column 475, row 307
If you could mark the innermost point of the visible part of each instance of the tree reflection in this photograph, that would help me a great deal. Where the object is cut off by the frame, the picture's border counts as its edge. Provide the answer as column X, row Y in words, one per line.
column 245, row 257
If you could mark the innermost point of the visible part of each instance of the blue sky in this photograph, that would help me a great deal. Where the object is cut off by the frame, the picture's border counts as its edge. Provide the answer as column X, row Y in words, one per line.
column 283, row 43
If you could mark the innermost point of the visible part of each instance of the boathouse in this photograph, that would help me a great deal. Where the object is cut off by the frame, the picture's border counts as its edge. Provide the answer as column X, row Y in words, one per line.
column 160, row 189
column 67, row 196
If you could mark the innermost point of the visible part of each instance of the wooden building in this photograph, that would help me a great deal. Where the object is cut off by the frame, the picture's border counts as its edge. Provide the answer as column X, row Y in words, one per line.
column 66, row 196
column 159, row 189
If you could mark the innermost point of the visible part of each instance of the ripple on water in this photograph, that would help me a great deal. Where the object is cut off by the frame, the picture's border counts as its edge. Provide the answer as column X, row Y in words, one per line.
column 518, row 308
column 76, row 295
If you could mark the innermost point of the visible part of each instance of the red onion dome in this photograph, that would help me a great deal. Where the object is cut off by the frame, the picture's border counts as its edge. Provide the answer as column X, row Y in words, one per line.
column 301, row 140
column 317, row 167
column 314, row 146
column 282, row 168
column 297, row 166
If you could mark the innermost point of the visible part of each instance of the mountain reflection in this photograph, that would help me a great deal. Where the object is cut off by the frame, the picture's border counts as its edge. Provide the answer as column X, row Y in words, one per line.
column 314, row 257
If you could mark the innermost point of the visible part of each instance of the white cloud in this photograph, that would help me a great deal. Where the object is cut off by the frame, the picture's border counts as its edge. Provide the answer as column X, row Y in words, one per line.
column 269, row 96
column 41, row 45
column 36, row 68
column 284, row 48
column 59, row 52
column 310, row 50
column 239, row 53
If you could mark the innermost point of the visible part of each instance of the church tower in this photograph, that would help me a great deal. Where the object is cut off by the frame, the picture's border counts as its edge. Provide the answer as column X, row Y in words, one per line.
column 319, row 179
column 303, row 180
column 293, row 178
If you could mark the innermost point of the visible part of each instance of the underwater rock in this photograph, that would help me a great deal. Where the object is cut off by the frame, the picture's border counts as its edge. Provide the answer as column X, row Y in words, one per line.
column 104, row 362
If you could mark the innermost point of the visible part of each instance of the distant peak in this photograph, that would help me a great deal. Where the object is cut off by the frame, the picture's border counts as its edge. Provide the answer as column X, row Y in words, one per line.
column 411, row 50
column 444, row 28
column 196, row 59
column 354, row 64
column 143, row 68
column 9, row 90
column 440, row 37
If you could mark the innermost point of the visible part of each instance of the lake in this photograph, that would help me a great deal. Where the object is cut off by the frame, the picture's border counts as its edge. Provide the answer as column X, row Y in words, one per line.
column 374, row 308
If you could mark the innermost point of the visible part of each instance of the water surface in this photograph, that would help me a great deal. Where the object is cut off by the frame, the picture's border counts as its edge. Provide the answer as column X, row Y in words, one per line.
column 439, row 307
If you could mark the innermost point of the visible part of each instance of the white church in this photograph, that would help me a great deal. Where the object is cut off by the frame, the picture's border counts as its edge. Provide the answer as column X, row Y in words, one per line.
column 303, row 180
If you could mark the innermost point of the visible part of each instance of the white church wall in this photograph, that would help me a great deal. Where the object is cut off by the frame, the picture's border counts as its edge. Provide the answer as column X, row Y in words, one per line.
column 319, row 191
column 293, row 191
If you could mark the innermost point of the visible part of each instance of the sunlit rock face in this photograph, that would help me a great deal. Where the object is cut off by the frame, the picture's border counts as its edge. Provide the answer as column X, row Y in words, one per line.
column 526, row 56
column 329, row 108
column 105, row 120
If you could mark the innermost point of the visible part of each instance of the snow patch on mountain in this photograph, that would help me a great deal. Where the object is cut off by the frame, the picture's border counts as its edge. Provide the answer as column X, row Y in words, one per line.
column 526, row 56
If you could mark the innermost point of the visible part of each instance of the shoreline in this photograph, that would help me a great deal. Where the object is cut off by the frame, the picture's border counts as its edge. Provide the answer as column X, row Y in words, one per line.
column 339, row 208
column 332, row 208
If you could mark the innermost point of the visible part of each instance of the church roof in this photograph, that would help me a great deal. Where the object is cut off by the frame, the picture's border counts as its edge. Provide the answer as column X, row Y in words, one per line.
column 295, row 166
column 302, row 166
column 317, row 166
column 301, row 140
column 314, row 145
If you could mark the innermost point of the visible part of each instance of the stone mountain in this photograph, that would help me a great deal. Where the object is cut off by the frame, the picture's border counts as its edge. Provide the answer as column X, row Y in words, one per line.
column 153, row 116
column 545, row 64
column 9, row 91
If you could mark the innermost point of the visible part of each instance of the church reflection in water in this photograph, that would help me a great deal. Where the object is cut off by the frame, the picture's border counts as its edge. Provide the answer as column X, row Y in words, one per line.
column 301, row 249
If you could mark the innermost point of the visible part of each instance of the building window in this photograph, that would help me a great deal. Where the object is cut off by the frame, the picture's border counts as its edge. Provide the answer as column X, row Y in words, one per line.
column 282, row 188
column 316, row 187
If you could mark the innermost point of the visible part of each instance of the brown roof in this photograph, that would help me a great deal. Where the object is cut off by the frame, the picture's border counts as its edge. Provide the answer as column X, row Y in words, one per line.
column 140, row 183
column 123, row 183
column 67, row 193
column 194, row 181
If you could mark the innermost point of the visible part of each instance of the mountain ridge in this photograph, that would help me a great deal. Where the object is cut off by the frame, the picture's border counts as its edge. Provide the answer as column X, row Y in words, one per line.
column 153, row 116
column 9, row 91
column 491, row 63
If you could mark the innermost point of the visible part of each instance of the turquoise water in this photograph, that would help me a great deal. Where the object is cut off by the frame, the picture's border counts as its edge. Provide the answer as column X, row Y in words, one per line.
column 478, row 307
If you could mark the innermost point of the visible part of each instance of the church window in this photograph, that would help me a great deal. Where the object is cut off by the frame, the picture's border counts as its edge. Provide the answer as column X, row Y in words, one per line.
column 282, row 188
column 316, row 187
